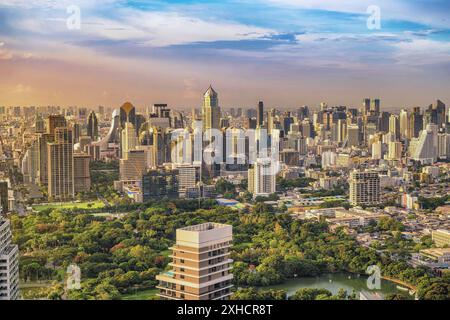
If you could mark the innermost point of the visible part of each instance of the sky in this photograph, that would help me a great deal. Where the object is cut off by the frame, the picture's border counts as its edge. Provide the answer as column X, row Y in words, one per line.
column 287, row 53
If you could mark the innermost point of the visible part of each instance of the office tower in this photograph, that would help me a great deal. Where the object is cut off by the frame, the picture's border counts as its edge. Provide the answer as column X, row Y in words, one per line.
column 307, row 129
column 188, row 177
column 383, row 121
column 76, row 129
column 60, row 164
column 82, row 113
column 160, row 116
column 441, row 237
column 426, row 149
column 92, row 126
column 443, row 145
column 369, row 130
column 375, row 107
column 210, row 110
column 43, row 140
column 395, row 150
column 39, row 124
column 404, row 123
column 159, row 183
column 394, row 126
column 30, row 163
column 4, row 203
column 128, row 139
column 201, row 266
column 302, row 112
column 81, row 173
column 416, row 123
column 127, row 114
column 261, row 178
column 439, row 106
column 364, row 188
column 133, row 165
column 249, row 123
column 287, row 121
column 366, row 106
column 55, row 121
column 260, row 115
column 353, row 135
column 270, row 121
column 377, row 150
column 9, row 263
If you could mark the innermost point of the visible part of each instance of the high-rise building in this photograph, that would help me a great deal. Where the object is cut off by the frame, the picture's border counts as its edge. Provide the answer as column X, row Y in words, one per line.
column 415, row 123
column 394, row 126
column 353, row 135
column 39, row 124
column 188, row 177
column 9, row 263
column 4, row 203
column 260, row 115
column 404, row 123
column 133, row 165
column 43, row 140
column 55, row 121
column 127, row 114
column 92, row 126
column 443, row 145
column 201, row 266
column 211, row 110
column 81, row 172
column 261, row 178
column 395, row 150
column 364, row 188
column 375, row 107
column 60, row 164
column 426, row 150
column 128, row 139
column 160, row 183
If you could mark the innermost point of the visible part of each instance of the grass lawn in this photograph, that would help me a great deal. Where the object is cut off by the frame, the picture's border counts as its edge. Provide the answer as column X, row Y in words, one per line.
column 71, row 205
column 141, row 295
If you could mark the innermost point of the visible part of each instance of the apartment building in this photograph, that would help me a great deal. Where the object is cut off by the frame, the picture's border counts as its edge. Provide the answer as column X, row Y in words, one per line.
column 201, row 266
column 9, row 263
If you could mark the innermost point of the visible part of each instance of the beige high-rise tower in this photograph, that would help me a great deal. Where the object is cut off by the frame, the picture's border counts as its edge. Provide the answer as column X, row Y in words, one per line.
column 60, row 165
column 211, row 110
column 201, row 266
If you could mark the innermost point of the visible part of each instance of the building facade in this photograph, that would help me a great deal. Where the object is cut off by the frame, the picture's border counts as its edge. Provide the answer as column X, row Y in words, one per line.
column 201, row 266
column 9, row 263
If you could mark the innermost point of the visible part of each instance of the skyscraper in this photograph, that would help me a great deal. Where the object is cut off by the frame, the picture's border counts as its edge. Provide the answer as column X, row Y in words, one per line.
column 9, row 263
column 364, row 188
column 81, row 172
column 261, row 178
column 211, row 110
column 55, row 121
column 60, row 164
column 416, row 123
column 426, row 150
column 260, row 115
column 92, row 126
column 201, row 266
column 404, row 123
column 394, row 126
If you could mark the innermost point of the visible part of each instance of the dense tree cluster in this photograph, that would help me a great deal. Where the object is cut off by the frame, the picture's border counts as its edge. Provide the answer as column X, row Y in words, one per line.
column 121, row 255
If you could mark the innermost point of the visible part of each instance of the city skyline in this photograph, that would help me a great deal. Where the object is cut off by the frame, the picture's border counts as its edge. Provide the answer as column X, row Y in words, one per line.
column 287, row 53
